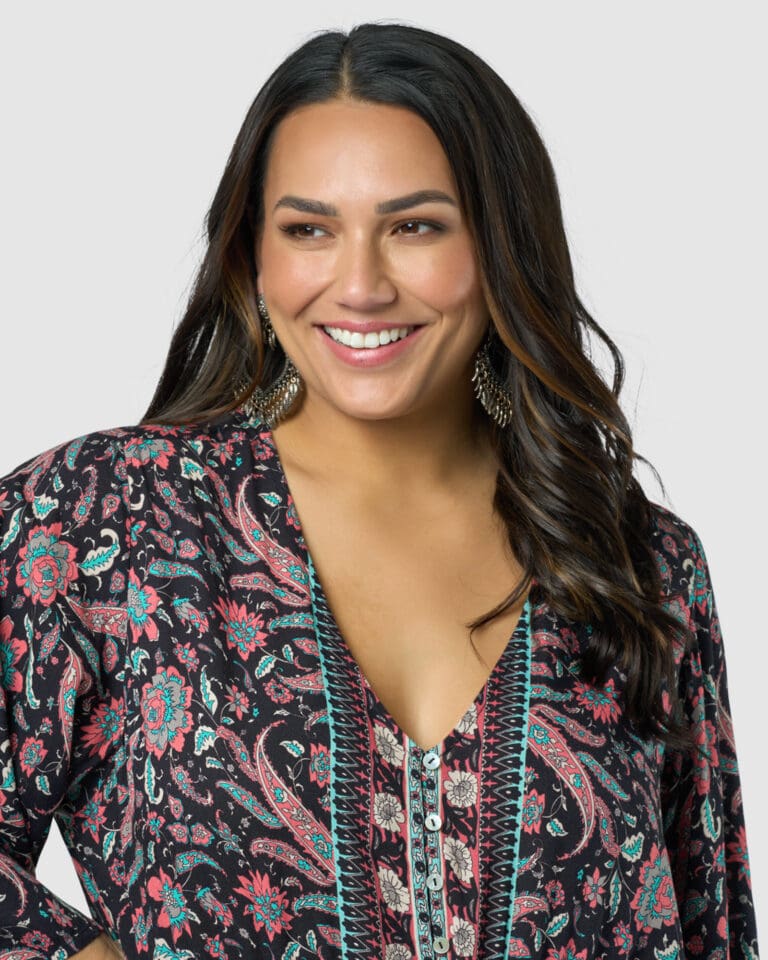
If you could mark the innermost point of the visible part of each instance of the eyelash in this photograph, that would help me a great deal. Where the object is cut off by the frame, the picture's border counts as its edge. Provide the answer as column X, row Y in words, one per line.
column 293, row 228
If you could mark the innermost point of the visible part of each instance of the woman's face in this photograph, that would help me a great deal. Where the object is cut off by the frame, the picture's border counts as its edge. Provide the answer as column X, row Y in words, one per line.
column 363, row 232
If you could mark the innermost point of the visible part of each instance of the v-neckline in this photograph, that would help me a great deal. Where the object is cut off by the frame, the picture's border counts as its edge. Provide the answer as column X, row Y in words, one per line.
column 520, row 634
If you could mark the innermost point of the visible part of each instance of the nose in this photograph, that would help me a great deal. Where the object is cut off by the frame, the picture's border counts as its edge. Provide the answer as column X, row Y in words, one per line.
column 362, row 279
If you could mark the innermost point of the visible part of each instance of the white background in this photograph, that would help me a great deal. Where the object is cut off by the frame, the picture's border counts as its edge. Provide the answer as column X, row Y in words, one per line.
column 116, row 124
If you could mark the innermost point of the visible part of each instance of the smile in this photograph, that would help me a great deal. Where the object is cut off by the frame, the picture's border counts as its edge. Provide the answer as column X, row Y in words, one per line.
column 367, row 341
column 370, row 349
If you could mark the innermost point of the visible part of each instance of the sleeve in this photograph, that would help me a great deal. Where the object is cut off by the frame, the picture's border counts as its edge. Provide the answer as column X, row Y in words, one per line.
column 61, row 706
column 701, row 793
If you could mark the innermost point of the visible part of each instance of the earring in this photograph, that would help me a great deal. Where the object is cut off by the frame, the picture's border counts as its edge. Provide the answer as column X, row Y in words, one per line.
column 274, row 403
column 266, row 328
column 489, row 389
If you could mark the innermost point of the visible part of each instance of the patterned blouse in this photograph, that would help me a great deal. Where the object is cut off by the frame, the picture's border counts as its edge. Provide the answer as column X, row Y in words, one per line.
column 177, row 696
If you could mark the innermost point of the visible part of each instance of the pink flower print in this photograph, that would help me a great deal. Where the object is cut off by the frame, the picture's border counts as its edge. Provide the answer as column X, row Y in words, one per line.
column 188, row 613
column 238, row 699
column 200, row 834
column 38, row 942
column 174, row 913
column 555, row 893
column 223, row 450
column 155, row 823
column 163, row 709
column 737, row 853
column 12, row 649
column 277, row 692
column 602, row 702
column 268, row 904
column 291, row 516
column 567, row 952
column 593, row 888
column 215, row 947
column 188, row 549
column 105, row 727
column 117, row 872
column 320, row 765
column 3, row 578
column 654, row 901
column 533, row 808
column 56, row 912
column 145, row 450
column 243, row 628
column 622, row 938
column 187, row 655
column 93, row 815
column 31, row 755
column 47, row 565
column 141, row 602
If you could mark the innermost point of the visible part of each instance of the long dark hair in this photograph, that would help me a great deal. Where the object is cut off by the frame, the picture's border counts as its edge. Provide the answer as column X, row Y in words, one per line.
column 578, row 520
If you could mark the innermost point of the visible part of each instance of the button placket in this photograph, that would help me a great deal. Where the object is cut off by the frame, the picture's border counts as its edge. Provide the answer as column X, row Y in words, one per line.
column 434, row 825
column 419, row 867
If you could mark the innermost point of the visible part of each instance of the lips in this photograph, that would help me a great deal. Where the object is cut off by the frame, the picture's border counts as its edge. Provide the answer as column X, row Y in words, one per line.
column 362, row 358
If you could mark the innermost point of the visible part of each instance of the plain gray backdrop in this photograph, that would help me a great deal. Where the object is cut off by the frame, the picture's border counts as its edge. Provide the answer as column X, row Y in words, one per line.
column 116, row 124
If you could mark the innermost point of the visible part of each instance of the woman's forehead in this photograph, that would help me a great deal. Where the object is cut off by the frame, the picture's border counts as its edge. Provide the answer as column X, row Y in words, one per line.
column 354, row 147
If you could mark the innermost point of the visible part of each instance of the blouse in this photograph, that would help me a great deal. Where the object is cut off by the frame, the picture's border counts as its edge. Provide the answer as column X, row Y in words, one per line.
column 177, row 695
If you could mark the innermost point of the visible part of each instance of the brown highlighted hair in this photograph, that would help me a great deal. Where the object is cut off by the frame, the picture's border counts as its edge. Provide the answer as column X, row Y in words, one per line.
column 578, row 521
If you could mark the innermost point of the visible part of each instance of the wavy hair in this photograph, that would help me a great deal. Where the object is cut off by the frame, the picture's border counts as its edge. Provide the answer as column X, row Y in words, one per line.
column 578, row 521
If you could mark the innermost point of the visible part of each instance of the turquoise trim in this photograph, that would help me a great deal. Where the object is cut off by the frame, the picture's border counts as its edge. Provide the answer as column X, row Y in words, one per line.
column 526, row 706
column 321, row 640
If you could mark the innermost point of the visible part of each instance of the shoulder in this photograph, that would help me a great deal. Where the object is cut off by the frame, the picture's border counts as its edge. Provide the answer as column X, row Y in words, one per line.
column 677, row 546
column 103, row 453
column 85, row 482
column 688, row 591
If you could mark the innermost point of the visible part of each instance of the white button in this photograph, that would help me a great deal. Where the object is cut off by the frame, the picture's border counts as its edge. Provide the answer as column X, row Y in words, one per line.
column 432, row 821
column 435, row 881
column 440, row 945
column 431, row 760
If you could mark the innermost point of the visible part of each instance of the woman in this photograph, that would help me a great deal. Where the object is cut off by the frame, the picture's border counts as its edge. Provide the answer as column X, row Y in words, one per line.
column 237, row 662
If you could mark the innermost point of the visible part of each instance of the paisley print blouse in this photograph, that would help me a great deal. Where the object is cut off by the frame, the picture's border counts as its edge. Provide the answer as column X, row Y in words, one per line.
column 177, row 695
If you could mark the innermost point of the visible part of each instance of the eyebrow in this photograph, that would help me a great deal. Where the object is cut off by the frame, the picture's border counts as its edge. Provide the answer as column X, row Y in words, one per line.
column 395, row 205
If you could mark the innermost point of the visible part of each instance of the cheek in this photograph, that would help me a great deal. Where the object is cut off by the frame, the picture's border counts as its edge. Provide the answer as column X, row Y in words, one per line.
column 292, row 279
column 449, row 281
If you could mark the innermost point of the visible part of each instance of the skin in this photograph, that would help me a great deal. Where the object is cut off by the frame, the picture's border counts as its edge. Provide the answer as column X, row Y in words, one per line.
column 413, row 423
column 102, row 948
column 391, row 468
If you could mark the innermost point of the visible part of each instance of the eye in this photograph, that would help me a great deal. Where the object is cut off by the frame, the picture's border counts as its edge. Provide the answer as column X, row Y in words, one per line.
column 418, row 223
column 302, row 231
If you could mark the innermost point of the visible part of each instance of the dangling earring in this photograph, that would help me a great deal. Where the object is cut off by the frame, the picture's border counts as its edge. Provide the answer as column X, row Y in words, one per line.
column 489, row 390
column 268, row 331
column 274, row 403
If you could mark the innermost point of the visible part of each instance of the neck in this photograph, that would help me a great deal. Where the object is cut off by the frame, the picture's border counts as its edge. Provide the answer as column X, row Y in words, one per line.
column 434, row 452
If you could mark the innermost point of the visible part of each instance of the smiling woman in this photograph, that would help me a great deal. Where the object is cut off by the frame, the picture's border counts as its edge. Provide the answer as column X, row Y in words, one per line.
column 360, row 267
column 366, row 641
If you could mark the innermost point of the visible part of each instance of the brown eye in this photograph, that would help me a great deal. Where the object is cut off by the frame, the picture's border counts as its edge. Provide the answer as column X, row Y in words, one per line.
column 409, row 224
column 302, row 231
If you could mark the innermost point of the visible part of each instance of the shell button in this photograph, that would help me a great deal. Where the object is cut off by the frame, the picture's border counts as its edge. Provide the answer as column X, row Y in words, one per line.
column 435, row 881
column 440, row 945
column 432, row 821
column 431, row 760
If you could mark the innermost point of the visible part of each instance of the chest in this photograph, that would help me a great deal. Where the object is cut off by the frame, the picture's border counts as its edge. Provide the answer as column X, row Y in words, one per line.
column 403, row 587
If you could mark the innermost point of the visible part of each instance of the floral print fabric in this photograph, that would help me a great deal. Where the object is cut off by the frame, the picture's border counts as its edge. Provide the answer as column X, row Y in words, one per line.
column 175, row 693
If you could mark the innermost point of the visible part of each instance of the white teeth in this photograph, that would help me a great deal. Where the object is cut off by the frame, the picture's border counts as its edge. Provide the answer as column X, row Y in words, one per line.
column 368, row 341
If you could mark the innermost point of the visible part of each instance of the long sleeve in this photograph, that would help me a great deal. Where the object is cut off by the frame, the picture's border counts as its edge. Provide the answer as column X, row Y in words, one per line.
column 62, row 527
column 701, row 794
